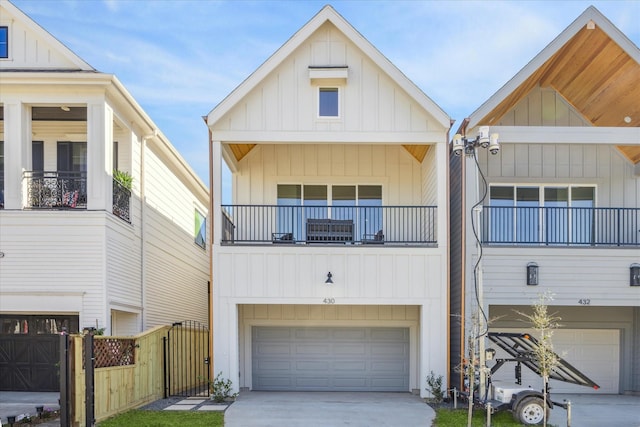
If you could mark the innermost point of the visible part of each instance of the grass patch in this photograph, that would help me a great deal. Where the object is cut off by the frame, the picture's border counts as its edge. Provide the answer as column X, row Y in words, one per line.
column 457, row 418
column 141, row 418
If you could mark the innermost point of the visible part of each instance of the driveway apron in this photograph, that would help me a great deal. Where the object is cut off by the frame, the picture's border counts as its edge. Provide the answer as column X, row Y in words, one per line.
column 328, row 409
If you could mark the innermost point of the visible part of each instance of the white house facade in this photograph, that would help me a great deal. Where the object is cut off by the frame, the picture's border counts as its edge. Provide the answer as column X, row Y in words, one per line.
column 561, row 215
column 330, row 265
column 78, row 249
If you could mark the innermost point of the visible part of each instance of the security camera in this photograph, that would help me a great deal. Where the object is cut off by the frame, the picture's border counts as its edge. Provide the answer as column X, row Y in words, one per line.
column 494, row 145
column 483, row 136
column 458, row 145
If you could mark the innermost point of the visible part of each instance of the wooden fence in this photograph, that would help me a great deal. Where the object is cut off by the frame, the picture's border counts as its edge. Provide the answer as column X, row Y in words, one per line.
column 118, row 388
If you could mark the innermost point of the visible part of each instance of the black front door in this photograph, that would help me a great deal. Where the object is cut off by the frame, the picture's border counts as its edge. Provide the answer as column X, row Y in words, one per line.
column 30, row 351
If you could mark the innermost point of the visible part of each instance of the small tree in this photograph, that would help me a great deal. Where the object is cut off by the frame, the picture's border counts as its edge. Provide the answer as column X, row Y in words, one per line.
column 544, row 323
column 435, row 387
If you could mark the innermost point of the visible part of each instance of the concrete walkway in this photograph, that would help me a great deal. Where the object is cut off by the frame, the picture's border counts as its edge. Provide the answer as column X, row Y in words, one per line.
column 14, row 403
column 328, row 409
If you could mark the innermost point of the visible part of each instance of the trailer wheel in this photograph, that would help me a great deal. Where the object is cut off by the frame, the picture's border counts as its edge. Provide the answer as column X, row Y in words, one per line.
column 530, row 411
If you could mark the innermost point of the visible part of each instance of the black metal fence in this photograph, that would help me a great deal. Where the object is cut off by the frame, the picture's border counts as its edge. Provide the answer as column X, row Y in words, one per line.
column 561, row 226
column 56, row 189
column 329, row 224
column 121, row 201
column 186, row 360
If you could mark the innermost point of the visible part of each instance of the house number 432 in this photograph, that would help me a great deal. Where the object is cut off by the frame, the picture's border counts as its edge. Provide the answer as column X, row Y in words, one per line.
column 584, row 301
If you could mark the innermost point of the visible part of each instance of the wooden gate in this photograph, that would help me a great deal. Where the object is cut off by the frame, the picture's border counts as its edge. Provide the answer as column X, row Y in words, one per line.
column 186, row 360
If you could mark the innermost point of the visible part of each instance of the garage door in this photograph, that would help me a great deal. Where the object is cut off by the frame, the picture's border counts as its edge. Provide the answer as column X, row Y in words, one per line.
column 330, row 359
column 29, row 351
column 594, row 352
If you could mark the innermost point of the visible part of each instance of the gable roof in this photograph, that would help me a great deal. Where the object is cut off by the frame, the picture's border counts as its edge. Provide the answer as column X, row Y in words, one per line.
column 327, row 13
column 591, row 64
column 78, row 63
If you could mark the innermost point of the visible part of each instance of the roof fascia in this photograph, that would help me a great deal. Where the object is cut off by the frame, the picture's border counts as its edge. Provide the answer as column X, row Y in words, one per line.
column 41, row 32
column 327, row 13
column 591, row 13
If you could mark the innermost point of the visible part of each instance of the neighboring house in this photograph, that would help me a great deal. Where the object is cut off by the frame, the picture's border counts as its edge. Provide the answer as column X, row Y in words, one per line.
column 77, row 249
column 563, row 198
column 330, row 265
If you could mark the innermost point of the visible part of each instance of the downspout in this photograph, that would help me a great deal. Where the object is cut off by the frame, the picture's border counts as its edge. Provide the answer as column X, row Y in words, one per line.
column 210, row 244
column 143, row 269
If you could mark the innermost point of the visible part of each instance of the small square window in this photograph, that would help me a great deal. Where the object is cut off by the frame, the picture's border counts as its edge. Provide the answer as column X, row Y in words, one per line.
column 4, row 42
column 328, row 102
column 200, row 230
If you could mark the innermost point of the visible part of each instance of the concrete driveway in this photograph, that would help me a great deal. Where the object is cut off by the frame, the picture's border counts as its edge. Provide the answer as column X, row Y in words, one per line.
column 593, row 410
column 325, row 409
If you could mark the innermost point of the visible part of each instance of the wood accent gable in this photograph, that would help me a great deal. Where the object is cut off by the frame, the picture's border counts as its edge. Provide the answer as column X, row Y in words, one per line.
column 592, row 73
column 417, row 151
column 241, row 150
column 631, row 152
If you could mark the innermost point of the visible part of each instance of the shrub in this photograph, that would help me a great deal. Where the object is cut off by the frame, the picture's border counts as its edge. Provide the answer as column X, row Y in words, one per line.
column 435, row 387
column 221, row 389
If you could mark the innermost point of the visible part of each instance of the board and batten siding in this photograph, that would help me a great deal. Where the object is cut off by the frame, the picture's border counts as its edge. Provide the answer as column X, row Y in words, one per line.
column 31, row 50
column 325, row 315
column 176, row 269
column 298, row 274
column 287, row 99
column 600, row 276
column 588, row 164
column 393, row 167
column 543, row 107
column 54, row 261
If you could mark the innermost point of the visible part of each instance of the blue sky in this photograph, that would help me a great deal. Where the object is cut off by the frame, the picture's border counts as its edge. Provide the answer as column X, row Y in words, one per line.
column 179, row 59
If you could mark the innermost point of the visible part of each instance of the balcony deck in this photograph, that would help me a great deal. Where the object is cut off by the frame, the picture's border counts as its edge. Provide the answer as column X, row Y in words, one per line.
column 343, row 225
column 561, row 226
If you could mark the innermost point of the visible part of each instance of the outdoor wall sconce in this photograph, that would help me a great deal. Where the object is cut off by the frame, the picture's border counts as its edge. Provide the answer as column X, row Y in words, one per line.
column 532, row 274
column 329, row 276
column 634, row 275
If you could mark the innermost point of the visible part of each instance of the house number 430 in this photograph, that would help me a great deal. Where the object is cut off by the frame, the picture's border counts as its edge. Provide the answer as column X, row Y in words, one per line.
column 329, row 300
column 584, row 301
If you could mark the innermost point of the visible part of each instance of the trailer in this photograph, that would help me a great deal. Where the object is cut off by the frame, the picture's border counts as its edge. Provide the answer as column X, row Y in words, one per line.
column 526, row 403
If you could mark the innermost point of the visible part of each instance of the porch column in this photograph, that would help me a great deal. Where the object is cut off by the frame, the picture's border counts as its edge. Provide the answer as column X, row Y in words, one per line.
column 216, row 192
column 99, row 156
column 226, row 341
column 17, row 152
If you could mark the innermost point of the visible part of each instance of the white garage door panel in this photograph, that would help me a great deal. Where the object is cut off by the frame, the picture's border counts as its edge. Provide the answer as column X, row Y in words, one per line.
column 346, row 359
column 594, row 352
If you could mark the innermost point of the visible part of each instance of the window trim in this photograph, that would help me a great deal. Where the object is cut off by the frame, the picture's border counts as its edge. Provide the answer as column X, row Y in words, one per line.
column 8, row 30
column 338, row 90
column 202, row 230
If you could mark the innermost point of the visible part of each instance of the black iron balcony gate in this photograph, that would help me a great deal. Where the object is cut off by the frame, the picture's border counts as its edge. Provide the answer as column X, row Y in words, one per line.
column 186, row 360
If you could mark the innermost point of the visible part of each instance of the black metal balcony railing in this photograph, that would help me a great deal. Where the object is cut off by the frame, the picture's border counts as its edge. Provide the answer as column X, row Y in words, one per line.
column 121, row 201
column 561, row 226
column 415, row 225
column 56, row 190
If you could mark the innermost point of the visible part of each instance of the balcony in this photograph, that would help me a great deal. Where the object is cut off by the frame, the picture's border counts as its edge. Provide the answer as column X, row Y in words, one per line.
column 344, row 225
column 121, row 201
column 561, row 226
column 56, row 190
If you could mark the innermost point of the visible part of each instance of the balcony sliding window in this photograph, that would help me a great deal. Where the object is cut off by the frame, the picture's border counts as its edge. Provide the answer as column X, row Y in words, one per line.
column 540, row 214
column 360, row 203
